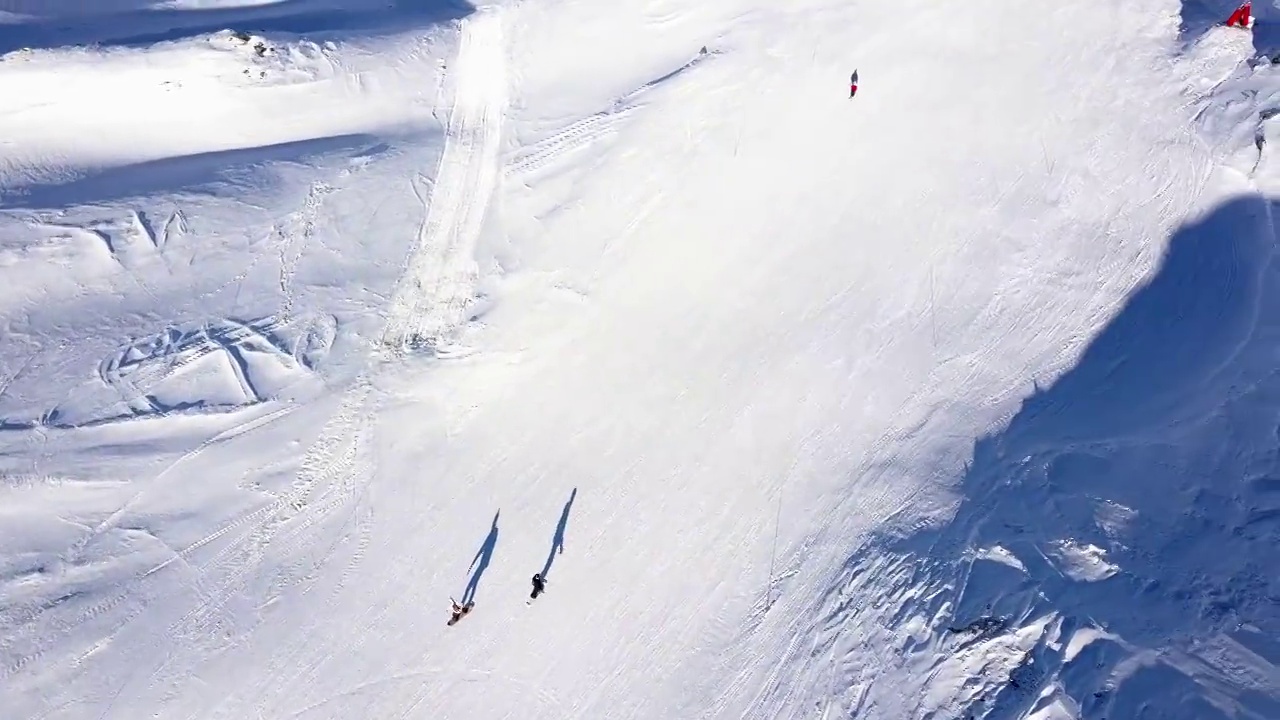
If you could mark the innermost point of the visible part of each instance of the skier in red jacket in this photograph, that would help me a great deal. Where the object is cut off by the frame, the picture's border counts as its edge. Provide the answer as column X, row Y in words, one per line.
column 853, row 84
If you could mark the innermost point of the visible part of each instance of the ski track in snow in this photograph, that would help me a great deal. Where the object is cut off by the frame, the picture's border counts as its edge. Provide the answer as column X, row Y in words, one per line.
column 832, row 543
column 432, row 299
column 428, row 308
column 577, row 135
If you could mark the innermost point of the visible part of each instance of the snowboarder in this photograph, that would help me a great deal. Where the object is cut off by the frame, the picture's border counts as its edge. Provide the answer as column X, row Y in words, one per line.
column 539, row 586
column 853, row 84
column 459, row 610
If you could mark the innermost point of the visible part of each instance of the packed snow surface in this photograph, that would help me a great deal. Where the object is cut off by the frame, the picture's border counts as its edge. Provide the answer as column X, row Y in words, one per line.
column 956, row 399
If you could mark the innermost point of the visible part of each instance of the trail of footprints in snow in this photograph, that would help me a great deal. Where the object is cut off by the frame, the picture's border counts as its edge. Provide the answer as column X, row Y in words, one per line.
column 590, row 129
column 328, row 465
column 30, row 630
column 27, row 614
column 285, row 668
column 330, row 456
column 325, row 481
column 293, row 238
column 576, row 136
column 333, row 455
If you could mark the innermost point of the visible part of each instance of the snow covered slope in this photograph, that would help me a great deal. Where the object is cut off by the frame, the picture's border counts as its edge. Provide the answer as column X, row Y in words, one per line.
column 950, row 400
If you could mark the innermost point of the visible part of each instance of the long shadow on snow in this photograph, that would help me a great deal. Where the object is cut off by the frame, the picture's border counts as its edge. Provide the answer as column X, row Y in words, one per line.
column 557, row 542
column 47, row 25
column 480, row 562
column 202, row 170
column 1162, row 448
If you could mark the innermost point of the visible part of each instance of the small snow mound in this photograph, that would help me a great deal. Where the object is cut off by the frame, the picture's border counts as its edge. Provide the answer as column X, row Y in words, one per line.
column 996, row 553
column 1081, row 639
column 1082, row 561
column 1113, row 518
column 1053, row 705
column 297, row 61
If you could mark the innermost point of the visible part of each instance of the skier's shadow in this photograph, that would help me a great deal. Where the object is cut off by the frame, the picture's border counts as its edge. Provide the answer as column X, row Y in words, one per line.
column 481, row 561
column 557, row 543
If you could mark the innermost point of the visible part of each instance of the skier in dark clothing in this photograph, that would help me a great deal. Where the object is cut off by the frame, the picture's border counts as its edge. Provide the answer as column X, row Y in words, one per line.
column 539, row 586
column 853, row 84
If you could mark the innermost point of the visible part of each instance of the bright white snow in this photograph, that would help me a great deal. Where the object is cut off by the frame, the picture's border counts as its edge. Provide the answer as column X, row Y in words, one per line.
column 953, row 400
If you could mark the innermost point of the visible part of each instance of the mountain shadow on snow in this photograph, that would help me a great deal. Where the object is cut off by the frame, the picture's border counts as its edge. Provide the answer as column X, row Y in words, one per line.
column 1132, row 508
column 216, row 172
column 41, row 24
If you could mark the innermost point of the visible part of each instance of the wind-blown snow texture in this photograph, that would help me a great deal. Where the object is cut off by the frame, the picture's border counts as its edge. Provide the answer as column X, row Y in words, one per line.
column 954, row 400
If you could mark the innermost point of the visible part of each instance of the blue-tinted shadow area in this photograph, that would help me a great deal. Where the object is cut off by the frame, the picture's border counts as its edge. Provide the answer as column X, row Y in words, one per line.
column 1138, row 495
column 557, row 541
column 1199, row 16
column 1142, row 372
column 481, row 561
column 208, row 171
column 57, row 24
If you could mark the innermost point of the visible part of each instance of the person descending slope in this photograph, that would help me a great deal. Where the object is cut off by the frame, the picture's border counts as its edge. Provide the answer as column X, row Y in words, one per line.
column 459, row 610
column 853, row 84
column 539, row 586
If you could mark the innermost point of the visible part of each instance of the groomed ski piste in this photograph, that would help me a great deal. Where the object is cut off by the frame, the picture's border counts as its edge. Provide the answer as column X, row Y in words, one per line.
column 954, row 400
